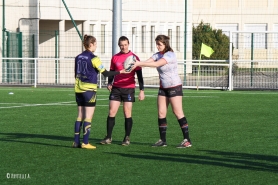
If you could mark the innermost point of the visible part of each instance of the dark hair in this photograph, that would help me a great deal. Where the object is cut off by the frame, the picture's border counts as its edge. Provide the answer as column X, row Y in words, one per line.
column 122, row 38
column 87, row 40
column 165, row 40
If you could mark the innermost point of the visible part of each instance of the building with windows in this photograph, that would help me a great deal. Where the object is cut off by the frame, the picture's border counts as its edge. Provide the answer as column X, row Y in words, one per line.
column 44, row 28
column 246, row 17
column 54, row 35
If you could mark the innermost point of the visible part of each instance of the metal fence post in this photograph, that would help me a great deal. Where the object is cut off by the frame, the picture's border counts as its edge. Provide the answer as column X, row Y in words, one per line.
column 56, row 56
column 35, row 83
column 100, row 80
column 9, row 62
column 231, row 63
column 252, row 57
column 20, row 54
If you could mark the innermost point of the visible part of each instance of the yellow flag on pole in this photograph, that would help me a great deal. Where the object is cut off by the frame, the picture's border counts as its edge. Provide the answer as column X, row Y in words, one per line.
column 206, row 50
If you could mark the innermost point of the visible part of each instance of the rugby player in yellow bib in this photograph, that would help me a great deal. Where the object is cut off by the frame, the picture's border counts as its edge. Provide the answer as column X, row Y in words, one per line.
column 87, row 67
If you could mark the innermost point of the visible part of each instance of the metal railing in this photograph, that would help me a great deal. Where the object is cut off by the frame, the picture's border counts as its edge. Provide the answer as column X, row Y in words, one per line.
column 195, row 74
column 39, row 71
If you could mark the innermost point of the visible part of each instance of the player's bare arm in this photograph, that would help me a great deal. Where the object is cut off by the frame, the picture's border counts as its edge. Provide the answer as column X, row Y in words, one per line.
column 150, row 63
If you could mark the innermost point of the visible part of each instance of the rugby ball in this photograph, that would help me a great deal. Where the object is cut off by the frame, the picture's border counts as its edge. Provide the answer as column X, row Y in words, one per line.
column 128, row 63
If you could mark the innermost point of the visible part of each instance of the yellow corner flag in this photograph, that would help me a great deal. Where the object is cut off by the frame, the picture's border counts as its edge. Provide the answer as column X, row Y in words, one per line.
column 206, row 50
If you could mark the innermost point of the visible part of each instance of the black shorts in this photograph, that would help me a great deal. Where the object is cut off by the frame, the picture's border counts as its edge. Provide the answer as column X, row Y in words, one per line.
column 122, row 94
column 171, row 92
column 87, row 99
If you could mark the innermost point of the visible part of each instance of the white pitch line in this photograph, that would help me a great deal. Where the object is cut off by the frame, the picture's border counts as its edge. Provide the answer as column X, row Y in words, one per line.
column 12, row 103
column 107, row 95
column 71, row 103
column 34, row 105
column 200, row 96
column 233, row 92
column 35, row 89
column 151, row 95
column 189, row 96
column 185, row 91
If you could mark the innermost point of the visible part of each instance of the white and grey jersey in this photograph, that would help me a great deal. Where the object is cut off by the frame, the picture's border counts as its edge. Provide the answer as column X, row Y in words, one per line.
column 168, row 73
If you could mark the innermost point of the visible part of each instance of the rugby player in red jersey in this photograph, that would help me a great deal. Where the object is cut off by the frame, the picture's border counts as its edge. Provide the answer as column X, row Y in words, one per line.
column 122, row 89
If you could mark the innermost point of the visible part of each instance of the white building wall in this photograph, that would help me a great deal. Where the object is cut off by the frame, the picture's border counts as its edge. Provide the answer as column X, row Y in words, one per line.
column 163, row 14
column 238, row 11
column 242, row 13
column 96, row 12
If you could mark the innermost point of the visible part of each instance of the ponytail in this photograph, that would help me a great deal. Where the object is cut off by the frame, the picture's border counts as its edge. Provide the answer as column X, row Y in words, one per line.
column 87, row 40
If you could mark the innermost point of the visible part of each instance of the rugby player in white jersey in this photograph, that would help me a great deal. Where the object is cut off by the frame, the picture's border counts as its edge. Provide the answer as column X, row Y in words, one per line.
column 170, row 90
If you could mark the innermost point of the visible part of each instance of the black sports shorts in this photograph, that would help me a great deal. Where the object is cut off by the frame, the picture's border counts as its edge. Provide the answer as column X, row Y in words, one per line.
column 171, row 92
column 122, row 94
column 87, row 99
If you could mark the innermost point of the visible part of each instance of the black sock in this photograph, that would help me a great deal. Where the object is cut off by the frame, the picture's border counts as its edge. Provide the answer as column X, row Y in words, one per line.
column 109, row 126
column 162, row 124
column 77, row 128
column 86, row 131
column 128, row 126
column 184, row 128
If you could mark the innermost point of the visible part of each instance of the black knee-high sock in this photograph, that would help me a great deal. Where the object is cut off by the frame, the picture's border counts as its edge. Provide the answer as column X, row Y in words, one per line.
column 184, row 128
column 86, row 130
column 77, row 128
column 128, row 126
column 110, row 125
column 162, row 124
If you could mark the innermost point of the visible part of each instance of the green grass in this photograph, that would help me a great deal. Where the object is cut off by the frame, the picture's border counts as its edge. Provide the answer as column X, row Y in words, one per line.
column 234, row 137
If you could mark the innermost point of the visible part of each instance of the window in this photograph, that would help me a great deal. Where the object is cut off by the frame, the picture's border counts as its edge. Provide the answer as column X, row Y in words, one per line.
column 92, row 26
column 152, row 38
column 134, row 38
column 226, row 28
column 125, row 29
column 161, row 29
column 178, row 36
column 259, row 39
column 275, row 35
column 143, row 38
column 134, row 30
column 103, row 38
column 170, row 36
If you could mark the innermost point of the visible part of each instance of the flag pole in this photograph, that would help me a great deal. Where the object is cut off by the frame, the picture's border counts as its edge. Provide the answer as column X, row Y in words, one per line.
column 199, row 71
column 207, row 51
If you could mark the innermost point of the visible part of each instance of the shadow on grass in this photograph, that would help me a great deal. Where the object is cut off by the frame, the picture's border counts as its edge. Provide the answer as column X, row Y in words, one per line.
column 25, row 138
column 235, row 160
column 35, row 138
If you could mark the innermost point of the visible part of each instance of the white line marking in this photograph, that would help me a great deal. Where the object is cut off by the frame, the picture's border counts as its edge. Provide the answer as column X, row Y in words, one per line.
column 200, row 96
column 107, row 95
column 185, row 91
column 71, row 103
column 188, row 96
column 12, row 103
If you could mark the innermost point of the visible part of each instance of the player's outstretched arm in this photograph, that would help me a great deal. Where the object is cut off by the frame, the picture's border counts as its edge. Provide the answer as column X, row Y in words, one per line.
column 150, row 63
column 112, row 73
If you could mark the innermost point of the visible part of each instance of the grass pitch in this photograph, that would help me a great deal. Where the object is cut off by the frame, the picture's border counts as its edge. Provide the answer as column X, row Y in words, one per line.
column 234, row 137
